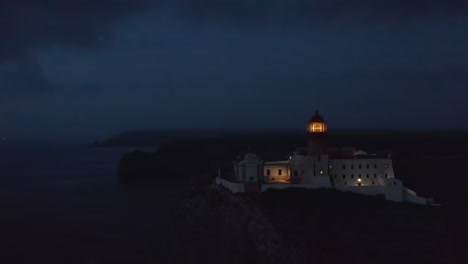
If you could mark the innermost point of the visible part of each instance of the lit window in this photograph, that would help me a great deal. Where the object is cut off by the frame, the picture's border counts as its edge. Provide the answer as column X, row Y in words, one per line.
column 279, row 172
column 321, row 172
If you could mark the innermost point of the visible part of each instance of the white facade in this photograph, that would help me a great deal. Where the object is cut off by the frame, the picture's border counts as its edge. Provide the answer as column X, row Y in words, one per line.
column 344, row 169
column 361, row 171
column 249, row 169
column 362, row 174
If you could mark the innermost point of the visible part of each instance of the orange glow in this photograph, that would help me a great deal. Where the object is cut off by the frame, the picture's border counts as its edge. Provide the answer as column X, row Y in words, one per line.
column 317, row 127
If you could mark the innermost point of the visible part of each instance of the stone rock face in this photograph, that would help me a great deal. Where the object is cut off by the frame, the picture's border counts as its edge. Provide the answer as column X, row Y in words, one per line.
column 213, row 226
column 210, row 225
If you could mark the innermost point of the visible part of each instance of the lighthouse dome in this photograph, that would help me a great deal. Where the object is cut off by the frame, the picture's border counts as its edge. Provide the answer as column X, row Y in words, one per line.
column 317, row 124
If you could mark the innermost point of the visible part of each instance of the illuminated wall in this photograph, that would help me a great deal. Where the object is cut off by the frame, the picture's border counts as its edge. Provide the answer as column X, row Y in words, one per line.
column 277, row 173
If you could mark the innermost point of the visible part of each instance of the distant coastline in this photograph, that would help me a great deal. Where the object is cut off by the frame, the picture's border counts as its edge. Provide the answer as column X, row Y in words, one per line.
column 156, row 138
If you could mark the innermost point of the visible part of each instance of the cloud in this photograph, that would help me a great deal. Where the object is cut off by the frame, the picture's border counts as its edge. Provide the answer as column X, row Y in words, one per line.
column 27, row 25
column 261, row 11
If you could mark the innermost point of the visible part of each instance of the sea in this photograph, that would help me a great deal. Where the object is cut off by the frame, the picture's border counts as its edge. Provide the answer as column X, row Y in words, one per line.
column 62, row 203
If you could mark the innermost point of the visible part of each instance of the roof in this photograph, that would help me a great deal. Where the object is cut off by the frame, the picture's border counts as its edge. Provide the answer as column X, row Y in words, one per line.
column 317, row 118
column 279, row 162
column 369, row 156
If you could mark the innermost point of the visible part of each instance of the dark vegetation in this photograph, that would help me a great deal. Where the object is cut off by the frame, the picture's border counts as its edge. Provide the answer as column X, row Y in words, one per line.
column 210, row 225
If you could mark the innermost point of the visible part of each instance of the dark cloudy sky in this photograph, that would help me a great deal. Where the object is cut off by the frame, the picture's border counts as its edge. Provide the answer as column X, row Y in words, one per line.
column 78, row 68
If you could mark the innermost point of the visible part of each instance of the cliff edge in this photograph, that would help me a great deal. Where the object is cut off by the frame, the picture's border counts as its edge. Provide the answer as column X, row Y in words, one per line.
column 210, row 225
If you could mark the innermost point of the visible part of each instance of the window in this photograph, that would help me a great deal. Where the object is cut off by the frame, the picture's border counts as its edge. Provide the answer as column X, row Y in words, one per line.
column 251, row 178
column 386, row 166
column 344, row 176
column 302, row 172
column 375, row 175
column 279, row 172
column 268, row 172
column 352, row 176
column 344, row 183
column 352, row 166
column 344, row 166
column 295, row 173
column 359, row 176
column 386, row 175
column 375, row 166
column 367, row 166
column 394, row 183
column 372, row 183
column 360, row 166
column 330, row 167
column 367, row 176
column 321, row 172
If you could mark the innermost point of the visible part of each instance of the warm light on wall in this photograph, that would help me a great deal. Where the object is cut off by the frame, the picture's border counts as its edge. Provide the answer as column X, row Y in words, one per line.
column 317, row 127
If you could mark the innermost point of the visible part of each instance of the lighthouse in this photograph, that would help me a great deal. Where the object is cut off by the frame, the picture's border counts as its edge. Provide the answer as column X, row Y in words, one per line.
column 317, row 132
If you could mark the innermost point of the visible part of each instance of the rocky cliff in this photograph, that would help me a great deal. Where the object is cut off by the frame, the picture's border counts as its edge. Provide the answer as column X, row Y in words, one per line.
column 210, row 225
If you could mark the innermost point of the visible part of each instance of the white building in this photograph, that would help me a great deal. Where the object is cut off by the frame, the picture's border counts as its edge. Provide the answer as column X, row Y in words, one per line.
column 343, row 169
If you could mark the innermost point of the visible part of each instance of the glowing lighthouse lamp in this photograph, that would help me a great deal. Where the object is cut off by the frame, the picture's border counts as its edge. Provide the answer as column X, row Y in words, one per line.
column 317, row 124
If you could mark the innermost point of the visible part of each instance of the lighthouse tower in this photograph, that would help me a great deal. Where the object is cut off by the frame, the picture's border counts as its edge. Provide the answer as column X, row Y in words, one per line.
column 317, row 130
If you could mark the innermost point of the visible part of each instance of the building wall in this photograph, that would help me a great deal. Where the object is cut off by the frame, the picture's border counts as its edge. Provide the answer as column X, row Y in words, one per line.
column 284, row 186
column 394, row 190
column 252, row 172
column 233, row 186
column 274, row 174
column 370, row 171
column 365, row 190
column 321, row 181
column 302, row 169
column 249, row 169
column 411, row 197
column 321, row 165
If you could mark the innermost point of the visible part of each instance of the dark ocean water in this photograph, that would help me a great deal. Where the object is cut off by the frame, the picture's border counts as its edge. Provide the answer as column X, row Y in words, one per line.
column 62, row 203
